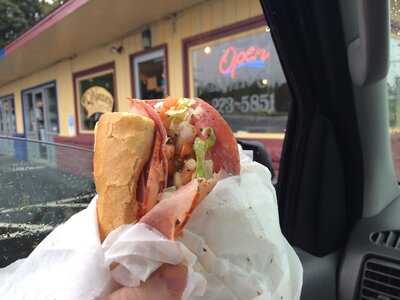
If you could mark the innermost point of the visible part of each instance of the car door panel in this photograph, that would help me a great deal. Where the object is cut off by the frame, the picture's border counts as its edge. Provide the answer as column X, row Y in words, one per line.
column 319, row 277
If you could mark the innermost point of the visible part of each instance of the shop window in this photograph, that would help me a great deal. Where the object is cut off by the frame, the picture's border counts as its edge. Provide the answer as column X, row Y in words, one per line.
column 149, row 69
column 7, row 115
column 95, row 96
column 241, row 76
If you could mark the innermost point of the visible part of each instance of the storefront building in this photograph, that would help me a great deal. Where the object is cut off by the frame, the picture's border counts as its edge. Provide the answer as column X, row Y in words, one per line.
column 218, row 50
column 87, row 57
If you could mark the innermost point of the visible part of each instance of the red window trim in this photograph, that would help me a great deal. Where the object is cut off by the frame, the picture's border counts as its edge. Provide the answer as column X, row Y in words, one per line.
column 212, row 35
column 146, row 51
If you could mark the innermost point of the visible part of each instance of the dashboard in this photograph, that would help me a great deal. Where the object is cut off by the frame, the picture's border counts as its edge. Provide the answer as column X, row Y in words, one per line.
column 370, row 266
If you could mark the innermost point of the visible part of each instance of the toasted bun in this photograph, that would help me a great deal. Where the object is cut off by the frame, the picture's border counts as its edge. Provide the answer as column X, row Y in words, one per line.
column 123, row 144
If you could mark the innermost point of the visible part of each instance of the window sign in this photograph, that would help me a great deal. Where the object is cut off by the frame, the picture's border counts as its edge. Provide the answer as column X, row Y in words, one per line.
column 150, row 74
column 95, row 96
column 241, row 76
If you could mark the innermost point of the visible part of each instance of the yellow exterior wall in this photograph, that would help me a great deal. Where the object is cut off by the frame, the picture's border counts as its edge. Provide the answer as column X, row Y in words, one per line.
column 203, row 17
column 59, row 72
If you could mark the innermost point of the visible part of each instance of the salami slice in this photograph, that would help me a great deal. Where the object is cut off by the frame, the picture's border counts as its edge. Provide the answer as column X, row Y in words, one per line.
column 225, row 153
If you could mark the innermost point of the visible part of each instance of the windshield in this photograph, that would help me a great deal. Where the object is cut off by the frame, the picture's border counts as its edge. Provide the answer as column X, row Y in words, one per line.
column 42, row 185
column 65, row 63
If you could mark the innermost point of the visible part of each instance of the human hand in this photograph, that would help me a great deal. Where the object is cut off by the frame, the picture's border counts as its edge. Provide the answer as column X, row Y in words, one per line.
column 167, row 283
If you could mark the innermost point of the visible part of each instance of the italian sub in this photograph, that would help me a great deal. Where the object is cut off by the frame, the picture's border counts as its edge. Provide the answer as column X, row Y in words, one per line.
column 155, row 163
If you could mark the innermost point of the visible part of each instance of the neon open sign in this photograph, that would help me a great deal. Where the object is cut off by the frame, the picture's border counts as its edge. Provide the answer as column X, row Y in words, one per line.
column 233, row 59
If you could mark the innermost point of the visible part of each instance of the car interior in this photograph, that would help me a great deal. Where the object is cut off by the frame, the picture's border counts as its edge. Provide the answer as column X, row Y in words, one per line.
column 337, row 189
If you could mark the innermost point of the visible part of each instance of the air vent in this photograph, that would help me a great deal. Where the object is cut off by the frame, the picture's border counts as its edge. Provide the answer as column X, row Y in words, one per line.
column 390, row 239
column 380, row 280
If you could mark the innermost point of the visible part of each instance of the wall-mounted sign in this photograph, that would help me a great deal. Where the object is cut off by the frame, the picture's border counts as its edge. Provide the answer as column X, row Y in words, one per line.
column 95, row 96
column 97, row 100
column 234, row 59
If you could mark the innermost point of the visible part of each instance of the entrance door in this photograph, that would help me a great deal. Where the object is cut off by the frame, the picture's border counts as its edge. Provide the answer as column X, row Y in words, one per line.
column 41, row 116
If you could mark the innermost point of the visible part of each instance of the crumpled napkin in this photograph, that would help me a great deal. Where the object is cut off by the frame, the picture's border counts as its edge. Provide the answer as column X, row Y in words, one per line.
column 232, row 246
column 236, row 237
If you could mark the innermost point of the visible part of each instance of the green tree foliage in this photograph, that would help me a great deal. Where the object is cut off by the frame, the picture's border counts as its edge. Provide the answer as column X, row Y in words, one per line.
column 16, row 16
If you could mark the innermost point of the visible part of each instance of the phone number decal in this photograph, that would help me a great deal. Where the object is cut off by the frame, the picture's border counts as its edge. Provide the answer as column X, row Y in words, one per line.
column 263, row 103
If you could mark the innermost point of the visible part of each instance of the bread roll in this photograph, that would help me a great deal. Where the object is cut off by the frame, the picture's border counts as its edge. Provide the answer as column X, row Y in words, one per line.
column 123, row 144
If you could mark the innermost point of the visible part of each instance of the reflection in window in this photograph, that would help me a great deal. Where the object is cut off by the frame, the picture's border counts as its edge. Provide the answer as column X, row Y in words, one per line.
column 31, row 113
column 52, row 109
column 96, row 96
column 393, row 84
column 1, row 119
column 7, row 115
column 241, row 77
column 40, row 111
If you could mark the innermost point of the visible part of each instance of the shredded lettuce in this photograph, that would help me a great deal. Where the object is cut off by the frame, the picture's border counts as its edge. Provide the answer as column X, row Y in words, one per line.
column 180, row 112
column 185, row 102
column 200, row 148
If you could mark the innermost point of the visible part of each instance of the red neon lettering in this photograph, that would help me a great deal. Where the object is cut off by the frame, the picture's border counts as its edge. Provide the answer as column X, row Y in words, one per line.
column 232, row 58
column 263, row 54
column 225, row 62
column 251, row 53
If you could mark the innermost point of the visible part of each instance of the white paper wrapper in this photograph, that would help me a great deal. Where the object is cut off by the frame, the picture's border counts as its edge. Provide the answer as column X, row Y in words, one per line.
column 232, row 246
column 247, row 255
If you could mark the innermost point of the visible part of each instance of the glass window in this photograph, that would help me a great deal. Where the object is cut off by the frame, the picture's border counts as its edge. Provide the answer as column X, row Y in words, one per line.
column 393, row 85
column 95, row 96
column 31, row 112
column 52, row 110
column 1, row 118
column 35, row 196
column 241, row 76
column 12, row 119
column 149, row 73
column 40, row 111
column 7, row 115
